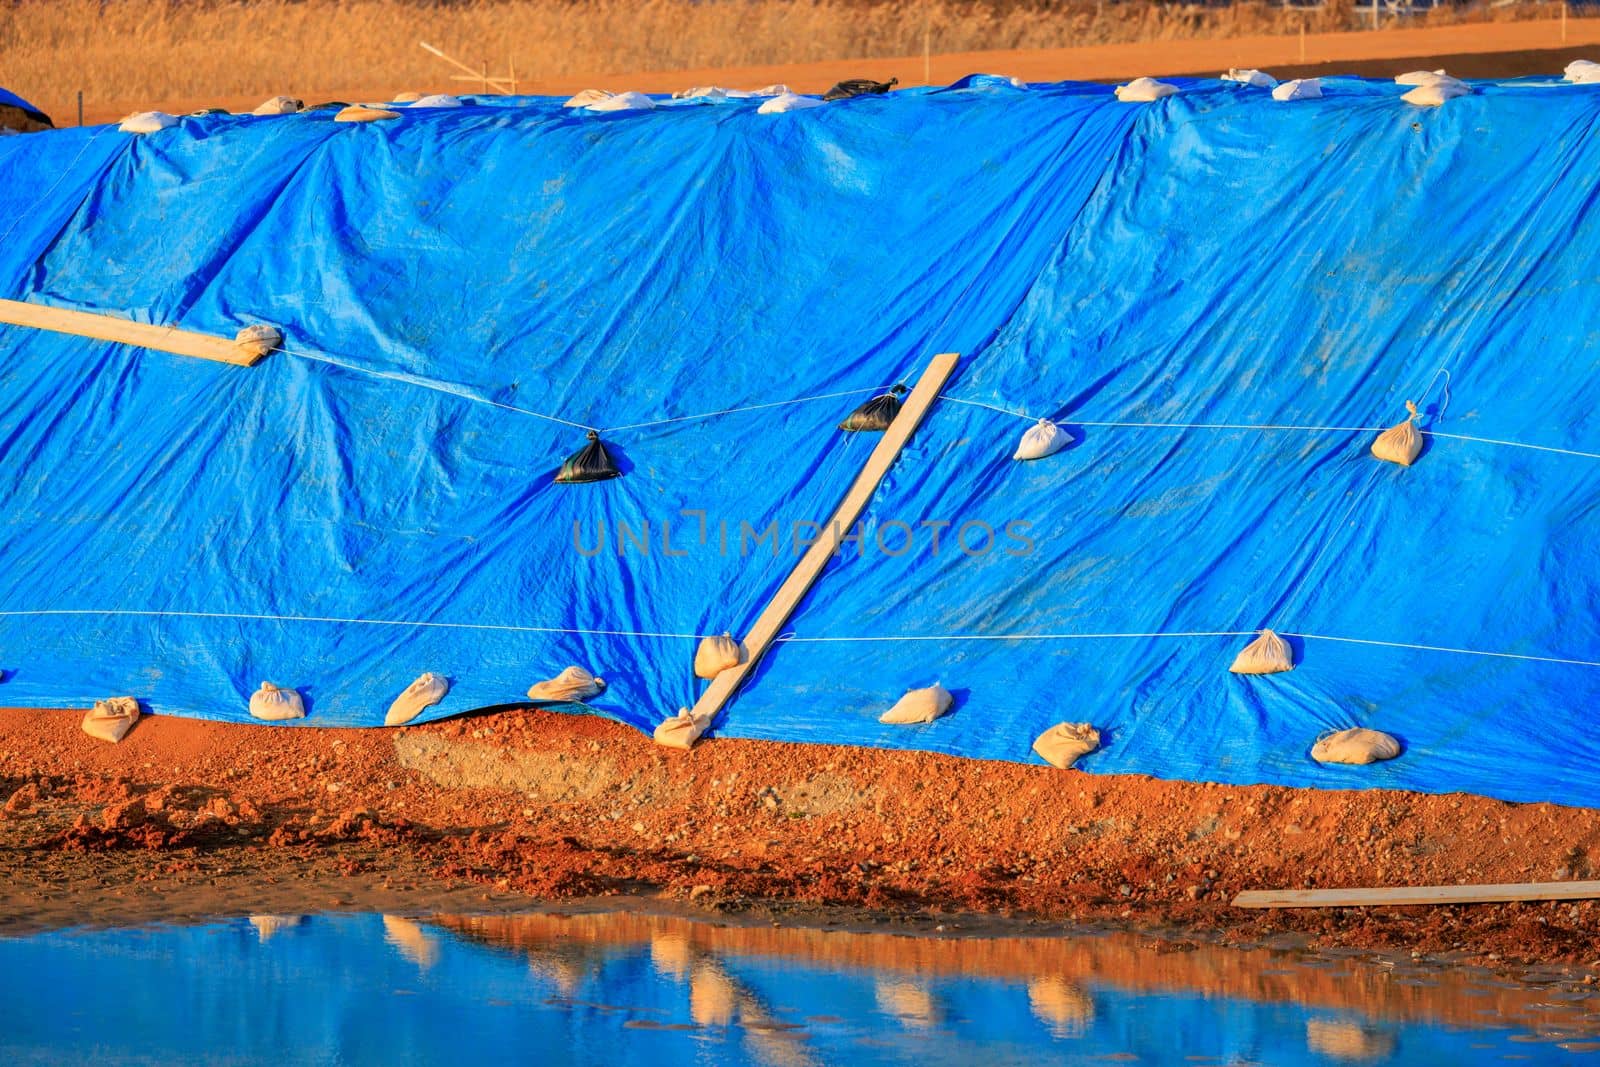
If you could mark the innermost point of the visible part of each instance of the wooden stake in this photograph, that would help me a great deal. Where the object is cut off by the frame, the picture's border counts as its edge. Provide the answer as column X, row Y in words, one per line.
column 1419, row 894
column 122, row 331
column 793, row 589
column 927, row 63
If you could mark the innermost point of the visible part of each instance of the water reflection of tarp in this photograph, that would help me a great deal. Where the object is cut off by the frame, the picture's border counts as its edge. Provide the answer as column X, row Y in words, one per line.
column 624, row 990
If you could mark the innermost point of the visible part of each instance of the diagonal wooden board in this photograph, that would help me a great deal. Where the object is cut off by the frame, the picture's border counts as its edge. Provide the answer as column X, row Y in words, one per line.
column 1416, row 894
column 816, row 557
column 110, row 328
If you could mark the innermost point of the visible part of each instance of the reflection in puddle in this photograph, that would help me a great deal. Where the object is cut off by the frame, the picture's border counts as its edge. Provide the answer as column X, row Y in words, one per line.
column 620, row 988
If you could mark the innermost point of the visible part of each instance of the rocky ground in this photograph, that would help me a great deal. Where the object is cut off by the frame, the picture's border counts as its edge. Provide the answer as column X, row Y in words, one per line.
column 496, row 811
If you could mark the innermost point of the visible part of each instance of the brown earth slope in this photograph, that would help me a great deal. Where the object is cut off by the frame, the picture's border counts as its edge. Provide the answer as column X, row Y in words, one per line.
column 193, row 818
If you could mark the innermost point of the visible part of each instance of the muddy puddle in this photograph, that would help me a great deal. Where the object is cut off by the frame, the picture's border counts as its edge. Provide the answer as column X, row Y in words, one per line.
column 626, row 988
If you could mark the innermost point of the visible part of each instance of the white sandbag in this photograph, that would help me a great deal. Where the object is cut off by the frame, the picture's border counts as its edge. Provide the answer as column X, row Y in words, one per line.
column 1422, row 77
column 1267, row 654
column 787, row 102
column 269, row 926
column 1401, row 443
column 572, row 686
column 1356, row 746
column 775, row 89
column 111, row 719
column 680, row 731
column 1066, row 742
column 1043, row 438
column 365, row 113
column 1299, row 89
column 1350, row 1042
column 714, row 1002
column 406, row 98
column 278, row 105
column 706, row 92
column 426, row 691
column 148, row 122
column 1258, row 79
column 1144, row 91
column 622, row 102
column 918, row 706
column 274, row 704
column 587, row 97
column 715, row 655
column 1582, row 72
column 1435, row 93
column 435, row 100
column 253, row 342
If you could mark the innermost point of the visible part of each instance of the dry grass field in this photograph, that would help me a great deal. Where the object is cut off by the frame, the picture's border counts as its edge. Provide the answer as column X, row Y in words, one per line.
column 147, row 50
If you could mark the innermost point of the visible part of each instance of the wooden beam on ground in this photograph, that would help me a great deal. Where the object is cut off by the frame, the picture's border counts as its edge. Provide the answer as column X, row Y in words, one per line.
column 794, row 588
column 122, row 331
column 1400, row 896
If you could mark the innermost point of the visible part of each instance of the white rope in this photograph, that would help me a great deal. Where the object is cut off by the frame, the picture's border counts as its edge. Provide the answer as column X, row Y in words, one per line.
column 787, row 638
column 1441, row 648
column 1513, row 444
column 424, row 383
column 355, row 622
column 1014, row 637
column 440, row 387
column 1275, row 427
column 1168, row 425
column 783, row 638
column 752, row 407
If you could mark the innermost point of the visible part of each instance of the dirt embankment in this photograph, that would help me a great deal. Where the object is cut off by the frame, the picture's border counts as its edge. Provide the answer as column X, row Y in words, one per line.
column 192, row 818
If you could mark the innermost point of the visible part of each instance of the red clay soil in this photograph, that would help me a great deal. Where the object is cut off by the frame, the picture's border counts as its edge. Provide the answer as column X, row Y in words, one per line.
column 500, row 810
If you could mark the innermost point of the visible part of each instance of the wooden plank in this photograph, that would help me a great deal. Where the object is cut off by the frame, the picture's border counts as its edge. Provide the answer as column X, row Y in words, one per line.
column 1416, row 894
column 816, row 557
column 109, row 328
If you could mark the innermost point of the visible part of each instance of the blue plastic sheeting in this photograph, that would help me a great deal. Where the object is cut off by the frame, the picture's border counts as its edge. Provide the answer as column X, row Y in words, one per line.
column 13, row 100
column 358, row 990
column 1174, row 282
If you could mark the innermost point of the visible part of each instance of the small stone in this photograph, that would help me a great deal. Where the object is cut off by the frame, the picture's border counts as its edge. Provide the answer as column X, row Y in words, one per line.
column 699, row 891
column 23, row 799
column 124, row 816
column 638, row 827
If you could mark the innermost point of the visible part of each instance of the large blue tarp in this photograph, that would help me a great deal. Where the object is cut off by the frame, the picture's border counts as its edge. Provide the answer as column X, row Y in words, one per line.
column 1218, row 294
column 13, row 100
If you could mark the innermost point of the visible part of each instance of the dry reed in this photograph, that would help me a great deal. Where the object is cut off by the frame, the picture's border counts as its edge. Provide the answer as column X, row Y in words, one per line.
column 147, row 50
